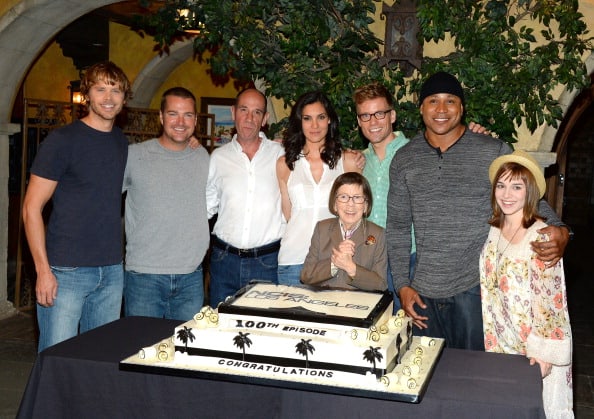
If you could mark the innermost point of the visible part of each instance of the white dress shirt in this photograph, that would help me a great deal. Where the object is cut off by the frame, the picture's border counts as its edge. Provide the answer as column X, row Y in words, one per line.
column 245, row 194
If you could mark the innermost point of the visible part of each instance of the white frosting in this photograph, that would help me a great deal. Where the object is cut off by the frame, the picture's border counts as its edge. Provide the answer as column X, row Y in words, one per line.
column 316, row 351
column 394, row 382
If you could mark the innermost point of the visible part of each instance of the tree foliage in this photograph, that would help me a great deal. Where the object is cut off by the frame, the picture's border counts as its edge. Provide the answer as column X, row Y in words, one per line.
column 508, row 66
column 510, row 56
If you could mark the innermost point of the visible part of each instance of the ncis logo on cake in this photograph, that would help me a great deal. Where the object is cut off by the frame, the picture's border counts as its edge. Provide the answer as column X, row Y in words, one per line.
column 353, row 308
column 300, row 299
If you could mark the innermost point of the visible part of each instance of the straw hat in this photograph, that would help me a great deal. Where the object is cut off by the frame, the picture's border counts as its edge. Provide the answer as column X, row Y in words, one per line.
column 524, row 159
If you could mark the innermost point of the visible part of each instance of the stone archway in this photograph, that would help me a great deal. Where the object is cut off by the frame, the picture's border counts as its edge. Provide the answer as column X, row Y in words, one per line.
column 25, row 29
column 158, row 69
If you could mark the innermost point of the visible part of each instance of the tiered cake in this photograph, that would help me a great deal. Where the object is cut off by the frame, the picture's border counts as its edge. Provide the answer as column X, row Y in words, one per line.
column 337, row 338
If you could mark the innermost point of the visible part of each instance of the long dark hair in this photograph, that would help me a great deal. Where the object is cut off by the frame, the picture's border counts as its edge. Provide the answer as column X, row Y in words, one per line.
column 294, row 140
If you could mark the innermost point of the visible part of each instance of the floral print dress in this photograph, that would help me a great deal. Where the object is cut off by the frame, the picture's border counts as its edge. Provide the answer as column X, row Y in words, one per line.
column 524, row 309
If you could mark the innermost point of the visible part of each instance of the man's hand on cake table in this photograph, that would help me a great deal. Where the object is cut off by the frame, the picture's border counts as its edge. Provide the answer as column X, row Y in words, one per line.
column 408, row 298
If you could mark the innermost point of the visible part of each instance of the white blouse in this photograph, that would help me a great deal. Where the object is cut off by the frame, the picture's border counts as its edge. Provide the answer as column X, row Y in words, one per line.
column 309, row 204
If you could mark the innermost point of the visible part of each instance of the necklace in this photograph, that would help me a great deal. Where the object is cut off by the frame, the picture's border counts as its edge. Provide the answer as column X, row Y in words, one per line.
column 501, row 253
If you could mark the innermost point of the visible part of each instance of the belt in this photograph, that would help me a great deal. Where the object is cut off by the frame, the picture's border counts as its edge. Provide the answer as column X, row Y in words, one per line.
column 246, row 253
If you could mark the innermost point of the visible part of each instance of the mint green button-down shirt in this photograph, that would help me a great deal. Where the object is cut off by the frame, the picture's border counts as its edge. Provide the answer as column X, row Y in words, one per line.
column 377, row 174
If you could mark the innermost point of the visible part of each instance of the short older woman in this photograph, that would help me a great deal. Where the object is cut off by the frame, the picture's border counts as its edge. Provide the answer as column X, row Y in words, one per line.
column 347, row 252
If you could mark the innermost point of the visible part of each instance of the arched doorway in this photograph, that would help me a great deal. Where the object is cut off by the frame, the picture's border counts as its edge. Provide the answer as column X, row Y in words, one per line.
column 574, row 195
column 20, row 47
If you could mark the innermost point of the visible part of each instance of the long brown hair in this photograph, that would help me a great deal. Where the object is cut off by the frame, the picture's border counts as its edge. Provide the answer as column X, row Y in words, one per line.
column 511, row 170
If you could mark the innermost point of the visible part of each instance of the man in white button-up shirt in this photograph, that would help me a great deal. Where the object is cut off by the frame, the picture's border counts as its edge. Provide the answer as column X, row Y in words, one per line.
column 242, row 188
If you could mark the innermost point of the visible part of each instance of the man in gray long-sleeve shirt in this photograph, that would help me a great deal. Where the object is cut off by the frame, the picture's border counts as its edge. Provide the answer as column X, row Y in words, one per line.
column 440, row 183
column 166, row 223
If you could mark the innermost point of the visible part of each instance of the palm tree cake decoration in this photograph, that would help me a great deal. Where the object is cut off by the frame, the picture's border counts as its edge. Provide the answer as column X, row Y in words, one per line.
column 184, row 335
column 303, row 348
column 241, row 341
column 371, row 355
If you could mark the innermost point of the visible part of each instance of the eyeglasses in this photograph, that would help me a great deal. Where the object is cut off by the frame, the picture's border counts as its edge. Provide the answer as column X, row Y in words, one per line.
column 344, row 198
column 379, row 115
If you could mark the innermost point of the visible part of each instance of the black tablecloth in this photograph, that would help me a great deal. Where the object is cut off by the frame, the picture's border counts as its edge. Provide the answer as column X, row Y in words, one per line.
column 80, row 378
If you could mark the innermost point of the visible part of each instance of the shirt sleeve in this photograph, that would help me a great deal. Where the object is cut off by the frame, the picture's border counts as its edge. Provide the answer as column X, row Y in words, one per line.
column 212, row 193
column 317, row 266
column 550, row 335
column 549, row 214
column 398, row 226
column 52, row 158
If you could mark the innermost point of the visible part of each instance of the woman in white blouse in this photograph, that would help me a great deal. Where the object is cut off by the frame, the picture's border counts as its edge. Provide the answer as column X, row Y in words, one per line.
column 313, row 160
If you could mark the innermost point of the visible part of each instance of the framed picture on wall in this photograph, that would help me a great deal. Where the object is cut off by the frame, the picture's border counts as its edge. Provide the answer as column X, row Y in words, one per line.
column 221, row 109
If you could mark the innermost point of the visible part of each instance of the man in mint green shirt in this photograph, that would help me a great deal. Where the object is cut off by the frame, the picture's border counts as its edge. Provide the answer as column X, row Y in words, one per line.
column 375, row 116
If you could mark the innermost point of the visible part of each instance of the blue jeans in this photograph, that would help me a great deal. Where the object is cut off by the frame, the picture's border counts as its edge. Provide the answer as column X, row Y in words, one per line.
column 456, row 319
column 290, row 274
column 229, row 273
column 170, row 296
column 88, row 297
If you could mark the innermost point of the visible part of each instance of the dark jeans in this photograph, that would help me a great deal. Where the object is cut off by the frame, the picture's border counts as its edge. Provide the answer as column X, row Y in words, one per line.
column 456, row 319
column 229, row 273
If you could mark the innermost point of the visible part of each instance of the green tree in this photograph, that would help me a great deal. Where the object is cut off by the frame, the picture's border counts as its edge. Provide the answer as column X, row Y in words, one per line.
column 509, row 68
column 293, row 46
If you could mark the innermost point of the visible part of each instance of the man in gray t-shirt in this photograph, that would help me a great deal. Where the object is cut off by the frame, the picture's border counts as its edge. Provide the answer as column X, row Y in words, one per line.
column 166, row 223
column 439, row 181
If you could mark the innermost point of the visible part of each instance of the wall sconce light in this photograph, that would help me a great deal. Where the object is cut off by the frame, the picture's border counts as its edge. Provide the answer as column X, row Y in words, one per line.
column 75, row 95
column 188, row 21
column 401, row 43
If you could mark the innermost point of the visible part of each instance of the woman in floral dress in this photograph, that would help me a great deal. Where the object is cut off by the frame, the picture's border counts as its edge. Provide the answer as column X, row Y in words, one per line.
column 524, row 301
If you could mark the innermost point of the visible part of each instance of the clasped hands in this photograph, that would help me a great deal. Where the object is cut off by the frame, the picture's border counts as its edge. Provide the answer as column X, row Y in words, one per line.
column 342, row 257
